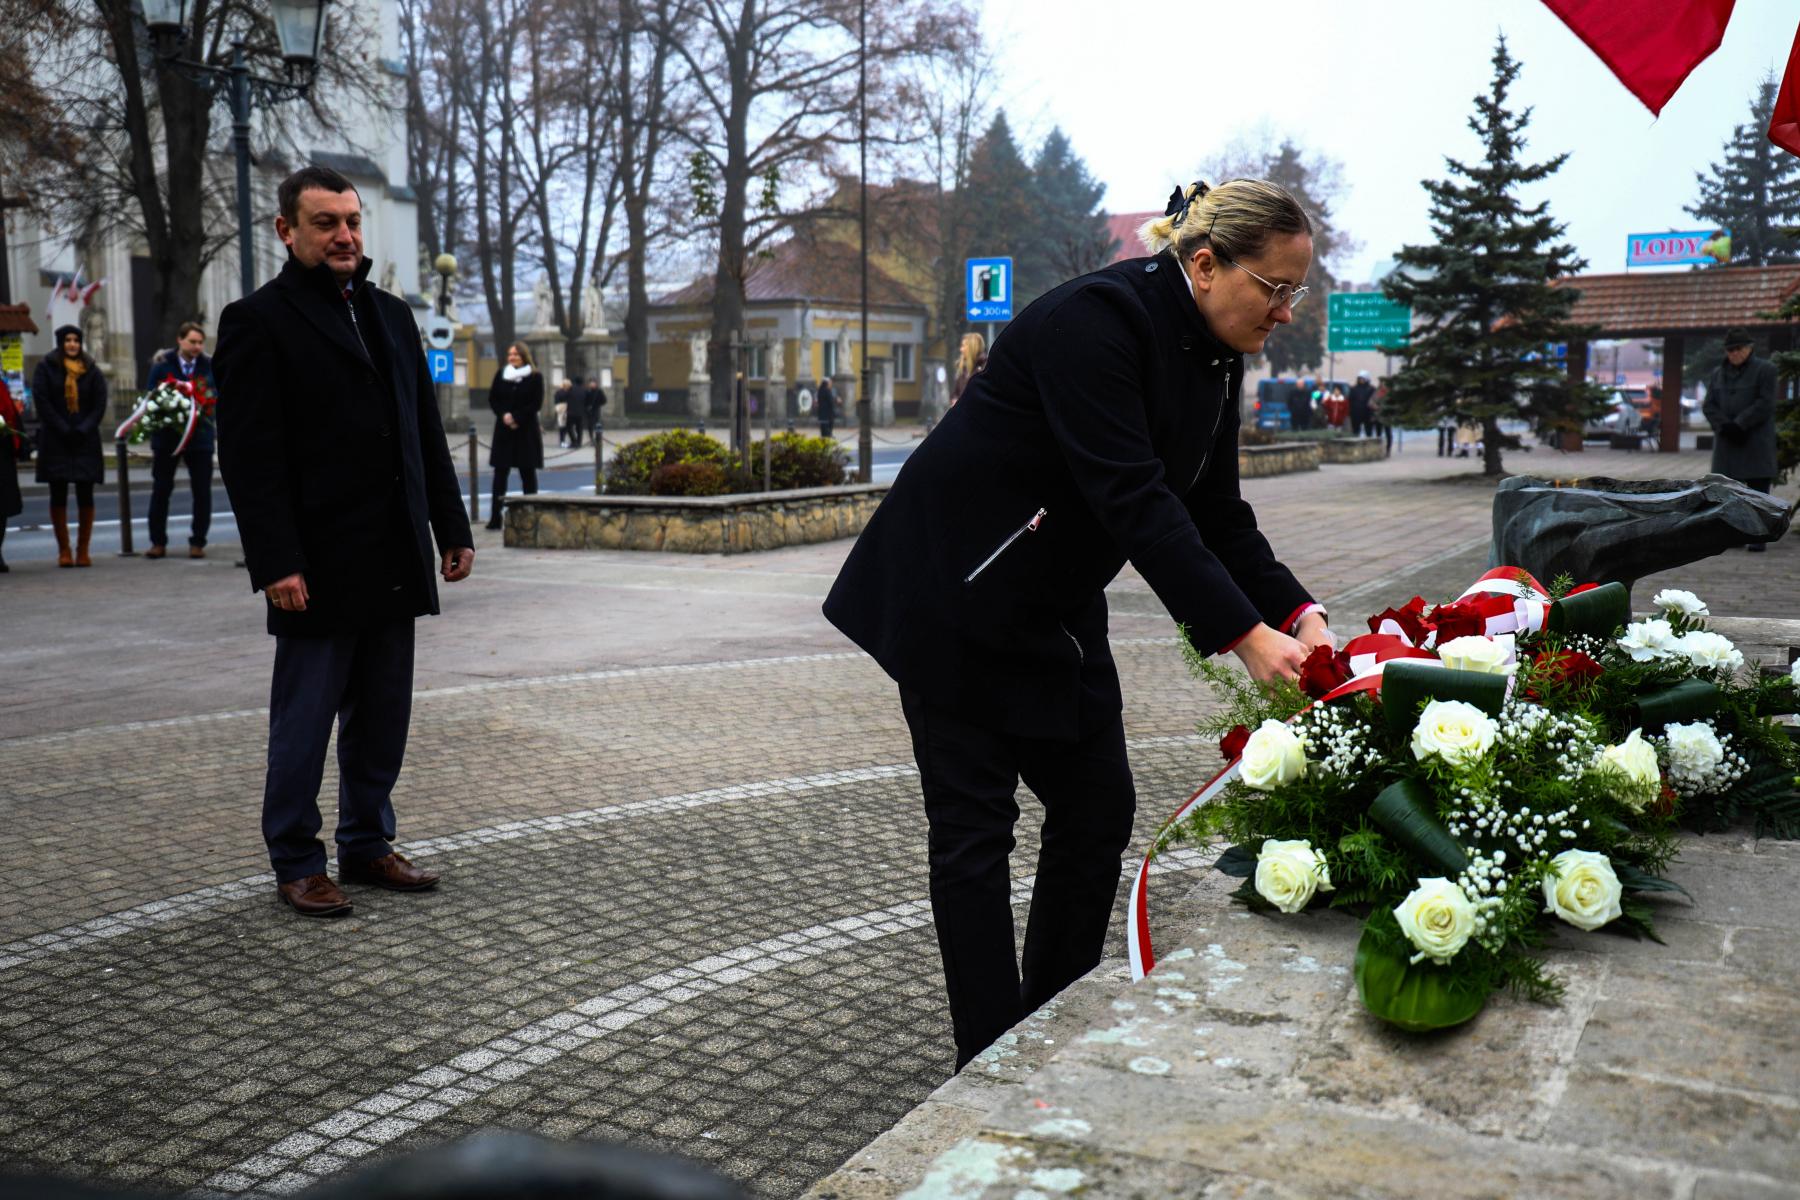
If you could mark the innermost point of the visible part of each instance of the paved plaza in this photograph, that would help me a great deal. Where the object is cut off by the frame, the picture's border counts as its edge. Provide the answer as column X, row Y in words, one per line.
column 684, row 902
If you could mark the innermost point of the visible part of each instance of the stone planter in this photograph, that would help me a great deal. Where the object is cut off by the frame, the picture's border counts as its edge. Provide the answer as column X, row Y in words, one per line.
column 1283, row 458
column 1352, row 450
column 691, row 524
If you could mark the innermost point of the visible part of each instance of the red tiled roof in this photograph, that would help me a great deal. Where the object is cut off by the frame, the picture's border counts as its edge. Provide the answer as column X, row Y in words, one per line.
column 802, row 268
column 1712, row 299
column 1124, row 228
column 16, row 318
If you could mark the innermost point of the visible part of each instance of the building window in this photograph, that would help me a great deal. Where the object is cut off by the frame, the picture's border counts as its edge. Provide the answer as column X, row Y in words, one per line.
column 828, row 359
column 903, row 362
column 756, row 361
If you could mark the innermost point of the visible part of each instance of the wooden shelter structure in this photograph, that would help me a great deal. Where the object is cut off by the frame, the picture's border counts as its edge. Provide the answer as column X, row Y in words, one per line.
column 1676, row 306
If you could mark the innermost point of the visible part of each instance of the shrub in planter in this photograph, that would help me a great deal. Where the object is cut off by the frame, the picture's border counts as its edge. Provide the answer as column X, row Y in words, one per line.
column 629, row 473
column 690, row 479
column 799, row 461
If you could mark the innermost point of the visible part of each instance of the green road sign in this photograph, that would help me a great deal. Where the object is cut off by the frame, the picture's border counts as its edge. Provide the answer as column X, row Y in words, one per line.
column 1365, row 306
column 1348, row 337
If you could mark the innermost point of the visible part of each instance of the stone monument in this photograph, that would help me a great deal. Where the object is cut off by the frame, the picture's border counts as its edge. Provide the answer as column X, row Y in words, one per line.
column 844, row 380
column 699, row 398
column 775, row 390
column 549, row 352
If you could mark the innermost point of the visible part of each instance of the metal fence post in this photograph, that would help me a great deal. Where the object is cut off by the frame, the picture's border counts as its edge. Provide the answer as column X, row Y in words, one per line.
column 474, row 476
column 125, row 550
column 599, row 432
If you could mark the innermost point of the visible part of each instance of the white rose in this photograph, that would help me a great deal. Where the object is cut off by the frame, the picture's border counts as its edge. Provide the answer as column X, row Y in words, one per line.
column 1675, row 600
column 1583, row 889
column 1694, row 749
column 1287, row 874
column 1635, row 759
column 1648, row 640
column 1709, row 651
column 1456, row 732
column 1274, row 755
column 1490, row 656
column 1437, row 919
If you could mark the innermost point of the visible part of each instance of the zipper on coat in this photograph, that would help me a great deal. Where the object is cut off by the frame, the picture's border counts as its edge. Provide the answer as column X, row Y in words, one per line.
column 1219, row 419
column 1030, row 526
column 1080, row 654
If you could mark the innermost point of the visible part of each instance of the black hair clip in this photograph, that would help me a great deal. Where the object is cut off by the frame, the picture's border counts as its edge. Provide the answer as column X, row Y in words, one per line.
column 1180, row 201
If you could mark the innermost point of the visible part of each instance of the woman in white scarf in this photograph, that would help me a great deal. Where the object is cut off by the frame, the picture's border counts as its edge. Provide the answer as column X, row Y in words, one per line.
column 517, row 396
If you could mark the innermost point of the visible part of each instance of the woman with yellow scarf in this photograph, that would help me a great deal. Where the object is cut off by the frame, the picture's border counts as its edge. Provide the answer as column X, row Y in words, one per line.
column 70, row 394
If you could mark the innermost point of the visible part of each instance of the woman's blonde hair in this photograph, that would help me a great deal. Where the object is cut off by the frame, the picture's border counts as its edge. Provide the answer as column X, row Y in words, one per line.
column 1234, row 219
column 524, row 353
column 973, row 344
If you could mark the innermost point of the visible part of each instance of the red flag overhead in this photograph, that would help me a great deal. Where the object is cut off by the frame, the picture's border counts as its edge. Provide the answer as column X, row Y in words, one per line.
column 1651, row 45
column 1784, row 126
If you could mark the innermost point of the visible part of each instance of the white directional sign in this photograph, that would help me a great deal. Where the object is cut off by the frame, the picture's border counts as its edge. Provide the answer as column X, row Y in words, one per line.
column 439, row 333
column 989, row 287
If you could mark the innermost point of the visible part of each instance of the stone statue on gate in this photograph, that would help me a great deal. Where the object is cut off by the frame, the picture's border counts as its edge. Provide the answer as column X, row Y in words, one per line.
column 593, row 310
column 843, row 351
column 543, row 305
column 698, row 344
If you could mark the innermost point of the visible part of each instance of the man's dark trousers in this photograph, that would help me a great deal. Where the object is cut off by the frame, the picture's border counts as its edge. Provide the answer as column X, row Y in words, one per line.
column 968, row 775
column 198, row 458
column 363, row 681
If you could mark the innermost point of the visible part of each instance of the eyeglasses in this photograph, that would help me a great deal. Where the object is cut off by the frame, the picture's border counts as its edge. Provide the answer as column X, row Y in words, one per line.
column 1280, row 294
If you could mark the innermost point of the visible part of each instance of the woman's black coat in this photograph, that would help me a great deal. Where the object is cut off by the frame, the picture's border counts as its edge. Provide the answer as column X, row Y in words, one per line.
column 333, row 451
column 1102, row 430
column 524, row 399
column 68, row 443
column 12, row 503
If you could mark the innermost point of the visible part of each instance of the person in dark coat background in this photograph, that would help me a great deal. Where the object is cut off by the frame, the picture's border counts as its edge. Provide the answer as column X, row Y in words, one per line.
column 334, row 457
column 517, row 396
column 190, row 363
column 1740, row 407
column 826, row 398
column 12, row 445
column 1103, row 430
column 593, row 399
column 70, row 394
column 1362, row 412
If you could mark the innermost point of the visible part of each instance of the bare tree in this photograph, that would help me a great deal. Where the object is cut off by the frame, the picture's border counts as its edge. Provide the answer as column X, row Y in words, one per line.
column 648, row 111
column 433, row 119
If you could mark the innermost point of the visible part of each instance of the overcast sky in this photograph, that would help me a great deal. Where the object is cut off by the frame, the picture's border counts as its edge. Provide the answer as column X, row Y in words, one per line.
column 1146, row 90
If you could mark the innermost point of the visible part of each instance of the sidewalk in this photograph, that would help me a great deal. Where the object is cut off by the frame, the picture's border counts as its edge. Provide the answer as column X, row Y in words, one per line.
column 685, row 902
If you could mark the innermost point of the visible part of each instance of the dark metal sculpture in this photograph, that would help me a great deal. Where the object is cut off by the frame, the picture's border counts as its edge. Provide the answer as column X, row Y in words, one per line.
column 1620, row 530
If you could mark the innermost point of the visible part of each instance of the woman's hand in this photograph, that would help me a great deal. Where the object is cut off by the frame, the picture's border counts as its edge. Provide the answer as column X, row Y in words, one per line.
column 1313, row 632
column 1269, row 654
column 510, row 423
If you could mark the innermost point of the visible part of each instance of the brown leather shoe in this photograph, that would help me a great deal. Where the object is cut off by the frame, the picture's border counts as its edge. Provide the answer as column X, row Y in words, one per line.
column 196, row 551
column 157, row 552
column 391, row 871
column 314, row 896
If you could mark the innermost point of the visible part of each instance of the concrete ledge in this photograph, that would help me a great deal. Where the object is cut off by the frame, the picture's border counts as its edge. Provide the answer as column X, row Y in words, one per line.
column 1283, row 458
column 1353, row 450
column 734, row 524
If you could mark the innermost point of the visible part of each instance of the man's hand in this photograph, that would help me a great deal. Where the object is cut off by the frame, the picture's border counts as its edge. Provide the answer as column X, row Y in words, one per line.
column 458, row 562
column 289, row 595
column 1269, row 654
column 1313, row 632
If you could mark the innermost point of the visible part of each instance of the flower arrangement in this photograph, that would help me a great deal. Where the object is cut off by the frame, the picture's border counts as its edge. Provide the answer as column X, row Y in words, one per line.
column 173, row 404
column 1467, row 772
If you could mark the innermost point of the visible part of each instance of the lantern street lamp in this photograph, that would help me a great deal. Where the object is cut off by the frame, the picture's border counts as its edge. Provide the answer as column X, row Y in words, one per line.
column 299, row 32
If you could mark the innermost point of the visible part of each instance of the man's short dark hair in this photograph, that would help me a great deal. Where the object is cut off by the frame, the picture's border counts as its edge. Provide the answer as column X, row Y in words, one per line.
column 188, row 327
column 310, row 177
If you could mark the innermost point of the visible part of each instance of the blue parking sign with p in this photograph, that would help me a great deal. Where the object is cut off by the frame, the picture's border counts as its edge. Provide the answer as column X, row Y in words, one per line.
column 443, row 365
column 989, row 287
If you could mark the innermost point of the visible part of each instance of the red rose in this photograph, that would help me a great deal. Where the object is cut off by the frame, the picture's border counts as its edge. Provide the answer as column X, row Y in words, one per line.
column 1323, row 670
column 1461, row 619
column 1664, row 804
column 1576, row 591
column 1409, row 617
column 1564, row 668
column 1232, row 744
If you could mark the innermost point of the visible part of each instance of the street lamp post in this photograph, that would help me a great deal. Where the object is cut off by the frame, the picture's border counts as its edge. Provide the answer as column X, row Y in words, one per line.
column 299, row 29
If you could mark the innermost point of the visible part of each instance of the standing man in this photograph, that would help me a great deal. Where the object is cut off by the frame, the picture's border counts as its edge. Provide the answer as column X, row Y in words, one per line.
column 1361, row 393
column 1740, row 407
column 593, row 399
column 827, row 406
column 189, row 364
column 336, row 465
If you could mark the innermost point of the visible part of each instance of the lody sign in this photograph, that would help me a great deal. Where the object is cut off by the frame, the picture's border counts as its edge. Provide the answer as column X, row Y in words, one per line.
column 988, row 284
column 1677, row 249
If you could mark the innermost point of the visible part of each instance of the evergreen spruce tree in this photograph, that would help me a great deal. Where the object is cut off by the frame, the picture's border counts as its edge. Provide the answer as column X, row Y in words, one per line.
column 1482, row 302
column 1002, row 214
column 1299, row 346
column 1754, row 191
column 1071, row 237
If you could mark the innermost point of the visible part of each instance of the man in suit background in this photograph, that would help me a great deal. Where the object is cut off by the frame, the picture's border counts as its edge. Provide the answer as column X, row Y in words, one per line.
column 189, row 363
column 337, row 468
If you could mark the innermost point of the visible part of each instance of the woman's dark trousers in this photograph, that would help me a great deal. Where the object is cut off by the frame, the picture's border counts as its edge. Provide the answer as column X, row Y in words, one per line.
column 968, row 775
column 362, row 682
column 527, row 484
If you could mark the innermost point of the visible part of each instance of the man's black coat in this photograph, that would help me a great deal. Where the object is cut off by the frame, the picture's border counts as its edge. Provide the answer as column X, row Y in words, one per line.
column 1361, row 393
column 333, row 451
column 1103, row 430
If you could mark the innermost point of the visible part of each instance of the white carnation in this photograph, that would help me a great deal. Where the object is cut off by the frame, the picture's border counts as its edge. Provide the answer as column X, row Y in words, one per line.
column 1649, row 640
column 1288, row 873
column 1454, row 731
column 1794, row 673
column 1710, row 651
column 1274, row 755
column 1694, row 750
column 1674, row 600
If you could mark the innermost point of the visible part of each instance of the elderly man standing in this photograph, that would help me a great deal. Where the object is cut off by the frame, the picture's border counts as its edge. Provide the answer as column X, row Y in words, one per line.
column 335, row 461
column 1740, row 407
